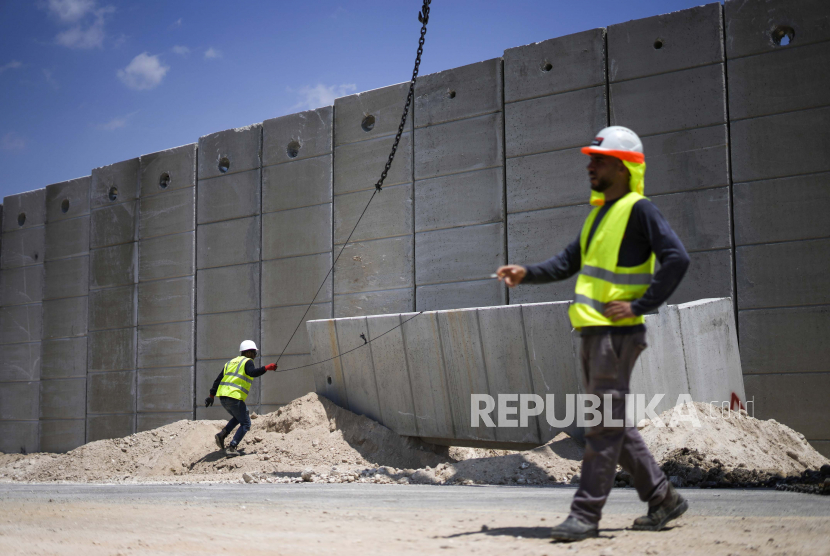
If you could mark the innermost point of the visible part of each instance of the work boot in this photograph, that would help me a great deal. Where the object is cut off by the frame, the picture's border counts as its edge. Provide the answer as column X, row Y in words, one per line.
column 573, row 529
column 672, row 507
column 232, row 451
column 220, row 439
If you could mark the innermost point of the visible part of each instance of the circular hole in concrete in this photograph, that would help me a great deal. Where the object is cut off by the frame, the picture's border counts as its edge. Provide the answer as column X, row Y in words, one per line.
column 783, row 35
column 658, row 44
column 546, row 66
column 65, row 206
column 450, row 94
column 328, row 379
column 21, row 218
column 164, row 180
column 113, row 193
column 37, row 255
column 224, row 164
column 368, row 123
column 293, row 149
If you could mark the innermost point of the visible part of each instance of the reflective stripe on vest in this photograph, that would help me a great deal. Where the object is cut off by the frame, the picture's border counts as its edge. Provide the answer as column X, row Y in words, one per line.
column 235, row 382
column 600, row 280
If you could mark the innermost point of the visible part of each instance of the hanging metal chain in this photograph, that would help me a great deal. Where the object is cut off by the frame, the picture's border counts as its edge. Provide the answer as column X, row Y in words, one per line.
column 423, row 17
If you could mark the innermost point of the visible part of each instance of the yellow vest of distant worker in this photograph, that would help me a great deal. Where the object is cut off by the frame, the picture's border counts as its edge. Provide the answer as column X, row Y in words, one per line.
column 600, row 280
column 236, row 383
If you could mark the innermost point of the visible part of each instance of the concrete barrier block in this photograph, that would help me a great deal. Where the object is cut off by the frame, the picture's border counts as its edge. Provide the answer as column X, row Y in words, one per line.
column 66, row 278
column 458, row 253
column 63, row 358
column 701, row 219
column 22, row 248
column 63, row 399
column 67, row 238
column 168, row 170
column 240, row 148
column 213, row 340
column 68, row 199
column 506, row 364
column 757, row 152
column 165, row 345
column 465, row 92
column 709, row 275
column 357, row 165
column 547, row 180
column 465, row 369
column 113, row 225
column 170, row 213
column 670, row 102
column 555, row 66
column 103, row 427
column 112, row 350
column 374, row 303
column 167, row 257
column 327, row 372
column 375, row 265
column 19, row 401
column 759, row 217
column 279, row 323
column 227, row 197
column 282, row 388
column 228, row 243
column 389, row 215
column 789, row 340
column 215, row 283
column 557, row 291
column 304, row 231
column 792, row 399
column 20, row 362
column 391, row 374
column 780, row 81
column 751, row 26
column 462, row 146
column 150, row 421
column 303, row 183
column 666, row 43
column 297, row 136
column 687, row 160
column 19, row 437
column 460, row 295
column 62, row 435
column 112, row 308
column 206, row 372
column 358, row 370
column 20, row 324
column 113, row 266
column 21, row 285
column 166, row 301
column 116, row 183
column 576, row 115
column 534, row 237
column 24, row 210
column 112, row 392
column 65, row 318
column 800, row 276
column 169, row 389
column 459, row 200
column 352, row 121
column 313, row 269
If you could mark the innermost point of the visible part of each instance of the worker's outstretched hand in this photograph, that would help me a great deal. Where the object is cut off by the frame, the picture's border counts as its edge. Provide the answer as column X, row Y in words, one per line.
column 271, row 367
column 618, row 310
column 512, row 274
column 209, row 401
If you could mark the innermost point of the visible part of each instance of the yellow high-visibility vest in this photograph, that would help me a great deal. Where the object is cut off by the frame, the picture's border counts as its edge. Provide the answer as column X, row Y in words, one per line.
column 600, row 280
column 236, row 383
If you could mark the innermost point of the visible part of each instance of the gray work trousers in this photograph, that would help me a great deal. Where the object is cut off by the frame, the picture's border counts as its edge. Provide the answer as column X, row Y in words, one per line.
column 607, row 361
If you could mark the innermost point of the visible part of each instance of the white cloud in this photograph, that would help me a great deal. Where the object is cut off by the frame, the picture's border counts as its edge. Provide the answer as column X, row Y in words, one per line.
column 115, row 123
column 322, row 95
column 177, row 23
column 85, row 20
column 14, row 64
column 12, row 142
column 70, row 11
column 47, row 73
column 144, row 72
column 211, row 53
column 181, row 50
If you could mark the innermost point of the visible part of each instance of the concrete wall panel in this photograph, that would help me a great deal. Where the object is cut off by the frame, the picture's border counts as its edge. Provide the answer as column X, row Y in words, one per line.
column 241, row 147
column 296, row 232
column 165, row 390
column 279, row 323
column 776, row 341
column 112, row 350
column 460, row 295
column 165, row 345
column 150, row 421
column 701, row 219
column 111, row 392
column 328, row 373
column 709, row 275
column 168, row 170
column 22, row 248
column 215, row 283
column 102, row 427
column 62, row 435
column 64, row 358
column 21, row 285
column 65, row 318
column 19, row 401
column 686, row 160
column 28, row 208
column 547, row 180
column 113, row 225
column 112, row 308
column 793, row 399
column 166, row 301
column 282, row 388
column 113, row 266
column 18, row 437
column 276, row 291
column 462, row 146
column 358, row 370
column 374, row 303
column 751, row 25
column 357, row 166
column 459, row 200
column 375, row 265
column 303, row 183
column 116, row 183
column 68, row 199
column 167, row 257
column 170, row 213
column 465, row 92
column 63, row 399
column 458, row 253
column 20, row 324
column 389, row 215
column 226, row 243
column 310, row 130
column 20, row 362
column 66, row 278
column 384, row 105
column 67, row 238
column 231, row 196
column 213, row 340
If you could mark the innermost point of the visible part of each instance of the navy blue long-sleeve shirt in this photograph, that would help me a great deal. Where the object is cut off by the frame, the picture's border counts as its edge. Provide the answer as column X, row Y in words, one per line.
column 647, row 231
column 250, row 369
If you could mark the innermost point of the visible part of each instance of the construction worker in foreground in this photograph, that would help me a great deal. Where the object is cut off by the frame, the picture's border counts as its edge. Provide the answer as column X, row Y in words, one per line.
column 614, row 256
column 232, row 386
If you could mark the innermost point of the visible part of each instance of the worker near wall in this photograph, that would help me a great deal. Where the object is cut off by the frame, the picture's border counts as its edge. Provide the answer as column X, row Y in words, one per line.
column 614, row 256
column 232, row 386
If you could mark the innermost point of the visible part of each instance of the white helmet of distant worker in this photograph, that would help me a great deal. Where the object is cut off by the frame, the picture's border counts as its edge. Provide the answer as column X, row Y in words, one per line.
column 246, row 345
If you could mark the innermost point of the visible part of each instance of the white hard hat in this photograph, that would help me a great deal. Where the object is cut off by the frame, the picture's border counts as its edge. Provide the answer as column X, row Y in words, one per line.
column 246, row 345
column 619, row 142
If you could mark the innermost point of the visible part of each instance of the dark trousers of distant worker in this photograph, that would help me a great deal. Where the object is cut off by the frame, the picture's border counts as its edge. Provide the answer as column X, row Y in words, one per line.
column 239, row 416
column 607, row 361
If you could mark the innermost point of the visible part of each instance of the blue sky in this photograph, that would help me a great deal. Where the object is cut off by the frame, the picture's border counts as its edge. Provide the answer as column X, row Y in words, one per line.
column 86, row 83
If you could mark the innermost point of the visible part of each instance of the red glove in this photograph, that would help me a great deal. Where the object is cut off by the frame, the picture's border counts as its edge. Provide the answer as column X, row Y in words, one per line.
column 271, row 367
